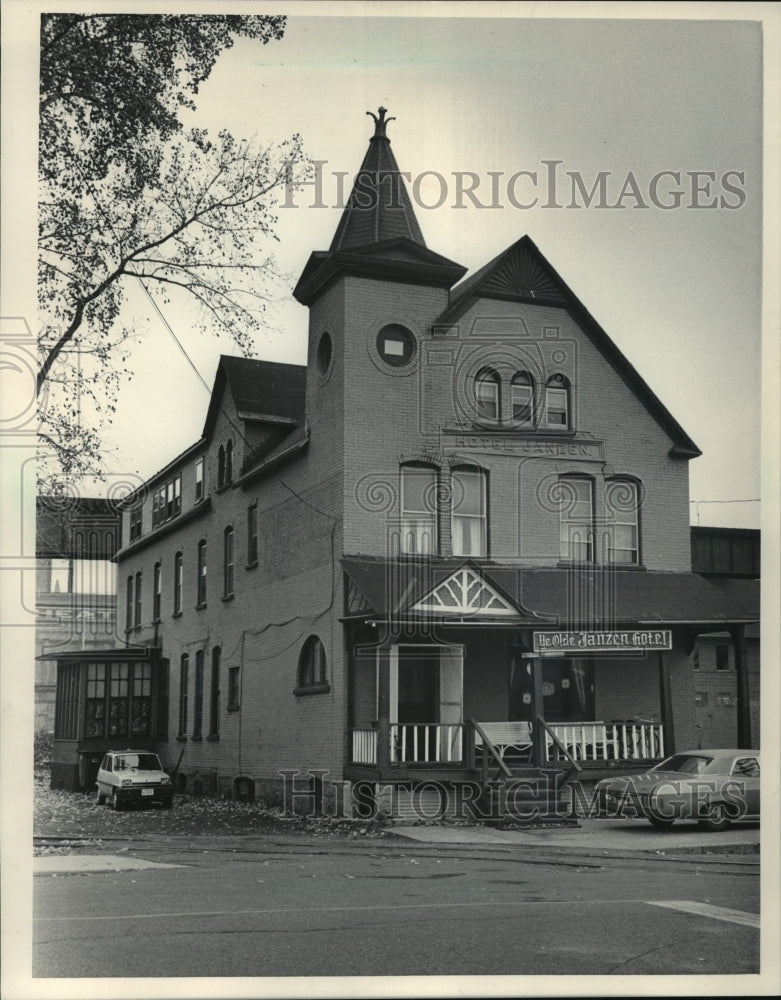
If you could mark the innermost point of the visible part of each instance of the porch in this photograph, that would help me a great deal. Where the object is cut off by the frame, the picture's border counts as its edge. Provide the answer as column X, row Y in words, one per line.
column 473, row 744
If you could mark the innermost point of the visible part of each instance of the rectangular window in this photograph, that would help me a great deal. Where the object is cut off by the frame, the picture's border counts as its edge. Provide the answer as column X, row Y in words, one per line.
column 233, row 689
column 95, row 717
column 135, row 522
column 60, row 576
column 623, row 509
column 469, row 532
column 141, row 705
column 184, row 693
column 556, row 407
column 129, row 604
column 227, row 563
column 252, row 534
column 722, row 656
column 214, row 695
column 487, row 391
column 167, row 501
column 418, row 511
column 201, row 573
column 137, row 607
column 198, row 697
column 576, row 519
column 178, row 581
column 157, row 598
column 199, row 480
column 118, row 701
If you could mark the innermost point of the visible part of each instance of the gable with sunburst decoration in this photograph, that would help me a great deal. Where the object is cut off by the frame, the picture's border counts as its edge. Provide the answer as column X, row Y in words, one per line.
column 465, row 592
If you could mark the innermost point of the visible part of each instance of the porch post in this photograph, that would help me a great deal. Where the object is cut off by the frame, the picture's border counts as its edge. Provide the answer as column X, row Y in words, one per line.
column 666, row 703
column 383, row 708
column 538, row 710
column 738, row 633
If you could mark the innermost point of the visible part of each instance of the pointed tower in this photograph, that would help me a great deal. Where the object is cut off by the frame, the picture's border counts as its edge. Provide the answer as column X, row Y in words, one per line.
column 372, row 297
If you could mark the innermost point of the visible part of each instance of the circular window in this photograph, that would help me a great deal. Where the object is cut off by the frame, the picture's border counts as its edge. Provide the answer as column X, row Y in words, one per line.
column 395, row 345
column 324, row 352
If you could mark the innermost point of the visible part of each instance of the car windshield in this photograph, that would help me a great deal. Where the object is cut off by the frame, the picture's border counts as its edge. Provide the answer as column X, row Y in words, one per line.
column 137, row 762
column 685, row 763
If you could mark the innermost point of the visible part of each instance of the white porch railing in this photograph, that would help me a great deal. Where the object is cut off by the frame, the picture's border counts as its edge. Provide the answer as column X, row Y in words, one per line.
column 607, row 740
column 364, row 749
column 426, row 743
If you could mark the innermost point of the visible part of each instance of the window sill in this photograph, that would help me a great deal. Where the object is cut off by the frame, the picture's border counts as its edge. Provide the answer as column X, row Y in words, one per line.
column 227, row 597
column 181, row 739
column 252, row 565
column 196, row 739
column 200, row 607
column 213, row 738
column 177, row 614
column 312, row 689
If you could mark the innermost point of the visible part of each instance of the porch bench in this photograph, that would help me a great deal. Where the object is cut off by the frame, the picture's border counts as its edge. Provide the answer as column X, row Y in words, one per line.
column 513, row 740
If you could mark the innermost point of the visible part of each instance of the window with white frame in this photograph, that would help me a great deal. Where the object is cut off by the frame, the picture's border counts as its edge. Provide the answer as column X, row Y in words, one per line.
column 419, row 527
column 157, row 592
column 129, row 598
column 622, row 500
column 522, row 398
column 469, row 532
column 227, row 562
column 201, row 581
column 137, row 606
column 487, row 398
column 576, row 518
column 557, row 402
column 199, row 484
column 178, row 582
column 167, row 501
column 135, row 521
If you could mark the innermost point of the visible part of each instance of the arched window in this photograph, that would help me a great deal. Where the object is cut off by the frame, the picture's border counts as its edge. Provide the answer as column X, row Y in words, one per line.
column 157, row 592
column 522, row 398
column 576, row 518
column 469, row 529
column 221, row 467
column 227, row 563
column 201, row 583
column 622, row 500
column 137, row 609
column 487, row 398
column 184, row 691
column 312, row 668
column 129, row 603
column 178, row 582
column 419, row 515
column 214, row 695
column 557, row 402
column 229, row 462
column 198, row 699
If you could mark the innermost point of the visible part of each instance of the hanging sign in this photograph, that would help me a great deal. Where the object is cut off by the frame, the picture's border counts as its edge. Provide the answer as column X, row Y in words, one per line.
column 602, row 642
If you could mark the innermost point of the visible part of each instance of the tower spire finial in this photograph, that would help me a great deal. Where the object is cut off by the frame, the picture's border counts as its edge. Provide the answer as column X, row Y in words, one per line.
column 380, row 124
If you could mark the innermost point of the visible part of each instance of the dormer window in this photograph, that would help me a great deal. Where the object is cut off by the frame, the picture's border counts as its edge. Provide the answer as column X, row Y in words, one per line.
column 522, row 398
column 487, row 395
column 557, row 403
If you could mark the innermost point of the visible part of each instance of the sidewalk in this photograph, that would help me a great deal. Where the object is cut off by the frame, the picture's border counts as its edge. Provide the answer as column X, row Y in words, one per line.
column 596, row 835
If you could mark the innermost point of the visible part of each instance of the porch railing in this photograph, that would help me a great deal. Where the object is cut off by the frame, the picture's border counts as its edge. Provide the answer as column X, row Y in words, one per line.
column 607, row 740
column 427, row 743
column 364, row 748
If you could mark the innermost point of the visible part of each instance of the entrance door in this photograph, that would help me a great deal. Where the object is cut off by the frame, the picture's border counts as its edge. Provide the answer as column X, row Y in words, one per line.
column 418, row 688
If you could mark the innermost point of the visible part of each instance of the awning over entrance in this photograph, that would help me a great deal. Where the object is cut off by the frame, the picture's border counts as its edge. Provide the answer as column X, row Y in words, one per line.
column 417, row 589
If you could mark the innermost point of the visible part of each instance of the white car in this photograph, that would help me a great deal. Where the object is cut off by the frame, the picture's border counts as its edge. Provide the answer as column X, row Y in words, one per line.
column 127, row 776
column 714, row 787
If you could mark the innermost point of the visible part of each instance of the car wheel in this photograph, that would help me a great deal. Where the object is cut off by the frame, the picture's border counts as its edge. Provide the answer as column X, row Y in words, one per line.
column 716, row 818
column 660, row 822
column 100, row 798
column 116, row 805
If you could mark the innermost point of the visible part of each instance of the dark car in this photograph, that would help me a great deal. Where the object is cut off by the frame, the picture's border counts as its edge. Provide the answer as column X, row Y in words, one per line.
column 128, row 776
column 714, row 787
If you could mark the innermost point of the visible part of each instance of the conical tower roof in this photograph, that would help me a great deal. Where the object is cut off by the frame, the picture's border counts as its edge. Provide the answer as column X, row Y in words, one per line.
column 379, row 207
column 378, row 235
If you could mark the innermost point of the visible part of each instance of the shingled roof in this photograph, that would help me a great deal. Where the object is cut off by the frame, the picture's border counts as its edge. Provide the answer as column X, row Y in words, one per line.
column 261, row 390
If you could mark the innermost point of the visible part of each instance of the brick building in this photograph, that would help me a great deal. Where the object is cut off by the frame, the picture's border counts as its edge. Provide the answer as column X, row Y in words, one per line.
column 457, row 537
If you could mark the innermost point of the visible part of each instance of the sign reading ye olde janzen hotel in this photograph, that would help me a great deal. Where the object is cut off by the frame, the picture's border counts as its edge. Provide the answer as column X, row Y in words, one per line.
column 602, row 642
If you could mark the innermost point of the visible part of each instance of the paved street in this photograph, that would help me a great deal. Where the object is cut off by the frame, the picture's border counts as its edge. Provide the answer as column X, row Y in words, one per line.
column 283, row 907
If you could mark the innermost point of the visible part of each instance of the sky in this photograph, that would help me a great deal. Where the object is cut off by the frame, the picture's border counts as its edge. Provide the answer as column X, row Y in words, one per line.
column 677, row 289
